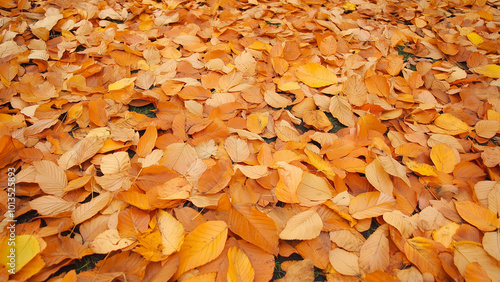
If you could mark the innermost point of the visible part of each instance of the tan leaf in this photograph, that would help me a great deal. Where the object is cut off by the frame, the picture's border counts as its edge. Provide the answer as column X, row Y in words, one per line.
column 115, row 163
column 51, row 205
column 467, row 252
column 377, row 177
column 394, row 168
column 51, row 177
column 179, row 157
column 371, row 204
column 172, row 232
column 355, row 90
column 374, row 253
column 303, row 226
column 237, row 149
column 344, row 262
column 342, row 110
column 88, row 210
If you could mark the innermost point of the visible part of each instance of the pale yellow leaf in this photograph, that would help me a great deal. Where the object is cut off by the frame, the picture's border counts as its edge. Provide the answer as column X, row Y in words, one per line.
column 115, row 163
column 349, row 240
column 344, row 262
column 51, row 205
column 237, row 149
column 122, row 83
column 487, row 128
column 82, row 151
column 109, row 241
column 451, row 124
column 491, row 244
column 172, row 232
column 313, row 190
column 467, row 252
column 303, row 226
column 403, row 223
column 252, row 171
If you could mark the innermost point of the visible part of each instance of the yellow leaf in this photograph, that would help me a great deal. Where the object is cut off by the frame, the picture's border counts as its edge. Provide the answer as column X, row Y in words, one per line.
column 420, row 168
column 25, row 249
column 488, row 70
column 371, row 204
column 315, row 75
column 239, row 268
column 349, row 240
column 479, row 216
column 303, row 226
column 202, row 245
column 444, row 234
column 452, row 124
column 317, row 119
column 237, row 149
column 475, row 38
column 320, row 164
column 444, row 158
column 378, row 178
column 467, row 252
column 172, row 232
column 256, row 122
column 344, row 262
column 349, row 7
column 122, row 83
column 374, row 253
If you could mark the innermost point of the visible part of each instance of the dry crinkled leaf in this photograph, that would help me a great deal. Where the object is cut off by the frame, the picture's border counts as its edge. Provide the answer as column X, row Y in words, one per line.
column 344, row 262
column 109, row 241
column 303, row 226
column 315, row 75
column 403, row 223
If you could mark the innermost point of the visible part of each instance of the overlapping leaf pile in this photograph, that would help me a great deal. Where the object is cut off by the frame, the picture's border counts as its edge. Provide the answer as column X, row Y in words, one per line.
column 242, row 158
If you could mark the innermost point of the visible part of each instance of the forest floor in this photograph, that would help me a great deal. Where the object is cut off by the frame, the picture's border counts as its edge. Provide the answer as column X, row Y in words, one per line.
column 253, row 140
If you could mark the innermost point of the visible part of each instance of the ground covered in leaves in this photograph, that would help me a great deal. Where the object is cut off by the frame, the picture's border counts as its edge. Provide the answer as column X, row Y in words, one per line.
column 249, row 140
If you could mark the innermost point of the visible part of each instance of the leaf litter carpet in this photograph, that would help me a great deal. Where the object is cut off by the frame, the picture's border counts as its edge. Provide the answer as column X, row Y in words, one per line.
column 208, row 140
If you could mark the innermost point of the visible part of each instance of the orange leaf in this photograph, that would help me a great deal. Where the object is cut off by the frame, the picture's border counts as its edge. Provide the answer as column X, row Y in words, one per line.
column 479, row 216
column 147, row 141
